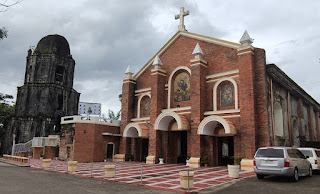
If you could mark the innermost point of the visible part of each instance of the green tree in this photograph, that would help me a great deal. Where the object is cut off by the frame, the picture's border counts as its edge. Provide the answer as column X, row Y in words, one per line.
column 6, row 113
column 112, row 116
column 4, row 6
column 89, row 110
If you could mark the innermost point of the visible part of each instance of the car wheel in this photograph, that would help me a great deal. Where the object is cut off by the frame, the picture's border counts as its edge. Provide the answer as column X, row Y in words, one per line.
column 310, row 171
column 295, row 176
column 259, row 176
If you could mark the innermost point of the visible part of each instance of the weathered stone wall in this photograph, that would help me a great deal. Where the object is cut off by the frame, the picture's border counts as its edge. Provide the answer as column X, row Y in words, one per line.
column 300, row 121
column 47, row 100
column 47, row 93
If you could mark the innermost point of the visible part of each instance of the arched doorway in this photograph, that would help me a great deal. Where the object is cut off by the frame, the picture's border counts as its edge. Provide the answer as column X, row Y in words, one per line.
column 174, row 137
column 138, row 142
column 217, row 142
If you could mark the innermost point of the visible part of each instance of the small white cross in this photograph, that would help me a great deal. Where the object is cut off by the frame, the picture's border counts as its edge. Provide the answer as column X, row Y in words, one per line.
column 181, row 17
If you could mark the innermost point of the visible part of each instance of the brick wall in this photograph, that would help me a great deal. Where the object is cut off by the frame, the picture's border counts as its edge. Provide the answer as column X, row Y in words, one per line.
column 90, row 144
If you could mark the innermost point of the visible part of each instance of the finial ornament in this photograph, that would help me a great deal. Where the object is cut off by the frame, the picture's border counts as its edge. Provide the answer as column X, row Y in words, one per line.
column 157, row 61
column 246, row 39
column 128, row 72
column 181, row 16
column 197, row 50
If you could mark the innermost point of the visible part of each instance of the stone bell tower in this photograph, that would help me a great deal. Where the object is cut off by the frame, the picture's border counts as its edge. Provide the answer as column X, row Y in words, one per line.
column 47, row 93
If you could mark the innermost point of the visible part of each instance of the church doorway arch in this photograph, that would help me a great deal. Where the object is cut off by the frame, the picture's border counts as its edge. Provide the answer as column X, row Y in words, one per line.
column 217, row 142
column 138, row 142
column 174, row 137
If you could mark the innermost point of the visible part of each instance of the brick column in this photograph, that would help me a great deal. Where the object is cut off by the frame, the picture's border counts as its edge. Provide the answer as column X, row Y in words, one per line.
column 128, row 89
column 248, row 126
column 157, row 104
column 198, row 102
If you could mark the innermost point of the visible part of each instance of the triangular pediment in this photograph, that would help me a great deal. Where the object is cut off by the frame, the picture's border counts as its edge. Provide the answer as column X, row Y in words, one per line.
column 189, row 35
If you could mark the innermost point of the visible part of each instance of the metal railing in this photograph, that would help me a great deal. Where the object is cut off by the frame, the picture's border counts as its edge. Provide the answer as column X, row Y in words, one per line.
column 23, row 147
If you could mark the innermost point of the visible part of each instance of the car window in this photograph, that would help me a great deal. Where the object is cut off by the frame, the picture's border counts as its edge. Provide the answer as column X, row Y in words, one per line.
column 299, row 154
column 291, row 153
column 318, row 153
column 307, row 153
column 270, row 153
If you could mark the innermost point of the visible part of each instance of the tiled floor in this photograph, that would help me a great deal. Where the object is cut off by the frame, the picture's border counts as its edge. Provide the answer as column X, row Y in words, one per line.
column 164, row 177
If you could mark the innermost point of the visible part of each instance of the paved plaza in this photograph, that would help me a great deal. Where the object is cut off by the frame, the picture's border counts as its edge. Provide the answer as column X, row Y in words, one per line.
column 163, row 177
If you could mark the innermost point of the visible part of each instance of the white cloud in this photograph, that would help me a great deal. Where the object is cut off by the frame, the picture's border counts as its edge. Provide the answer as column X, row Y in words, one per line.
column 107, row 36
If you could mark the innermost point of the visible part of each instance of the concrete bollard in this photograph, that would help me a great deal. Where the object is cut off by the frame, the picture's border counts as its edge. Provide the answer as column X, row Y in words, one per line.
column 46, row 163
column 72, row 166
column 184, row 179
column 109, row 171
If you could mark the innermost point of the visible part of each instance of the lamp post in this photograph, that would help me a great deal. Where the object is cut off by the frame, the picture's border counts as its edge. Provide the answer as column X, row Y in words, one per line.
column 13, row 143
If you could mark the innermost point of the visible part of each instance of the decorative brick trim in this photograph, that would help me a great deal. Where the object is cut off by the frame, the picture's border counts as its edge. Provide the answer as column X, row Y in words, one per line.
column 221, row 74
column 158, row 73
column 141, row 119
column 142, row 90
column 221, row 112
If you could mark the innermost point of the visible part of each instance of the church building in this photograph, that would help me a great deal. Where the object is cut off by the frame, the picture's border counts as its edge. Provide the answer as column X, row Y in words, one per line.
column 211, row 99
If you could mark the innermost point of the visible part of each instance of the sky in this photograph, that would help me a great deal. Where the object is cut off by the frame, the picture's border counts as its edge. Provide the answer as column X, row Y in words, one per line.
column 105, row 36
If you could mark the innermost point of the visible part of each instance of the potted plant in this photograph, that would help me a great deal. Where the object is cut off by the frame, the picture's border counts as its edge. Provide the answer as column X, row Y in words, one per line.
column 105, row 157
column 205, row 161
column 187, row 160
column 233, row 170
column 41, row 154
column 161, row 157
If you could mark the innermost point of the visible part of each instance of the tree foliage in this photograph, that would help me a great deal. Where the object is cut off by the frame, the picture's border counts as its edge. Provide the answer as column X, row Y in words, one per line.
column 6, row 113
column 3, row 33
column 112, row 116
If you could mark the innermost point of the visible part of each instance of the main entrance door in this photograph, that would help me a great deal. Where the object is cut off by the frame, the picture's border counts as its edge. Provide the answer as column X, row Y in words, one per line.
column 144, row 149
column 182, row 147
column 225, row 150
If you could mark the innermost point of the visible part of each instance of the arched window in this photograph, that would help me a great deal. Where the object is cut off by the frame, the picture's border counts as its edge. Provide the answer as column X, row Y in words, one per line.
column 278, row 119
column 181, row 87
column 226, row 95
column 145, row 106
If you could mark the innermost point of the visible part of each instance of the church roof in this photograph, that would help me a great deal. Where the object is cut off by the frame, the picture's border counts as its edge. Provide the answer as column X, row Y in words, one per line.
column 53, row 44
column 189, row 35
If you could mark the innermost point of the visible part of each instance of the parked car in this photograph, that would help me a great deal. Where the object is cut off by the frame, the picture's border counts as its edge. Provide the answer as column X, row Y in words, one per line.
column 314, row 157
column 281, row 161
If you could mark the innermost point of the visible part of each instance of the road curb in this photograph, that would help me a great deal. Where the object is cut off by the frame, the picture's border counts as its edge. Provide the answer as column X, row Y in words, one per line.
column 13, row 163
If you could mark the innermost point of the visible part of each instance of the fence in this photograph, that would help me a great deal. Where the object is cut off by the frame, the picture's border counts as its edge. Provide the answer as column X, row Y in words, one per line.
column 23, row 147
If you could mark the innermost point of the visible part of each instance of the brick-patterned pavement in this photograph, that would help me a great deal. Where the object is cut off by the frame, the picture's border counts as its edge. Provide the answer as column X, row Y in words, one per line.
column 163, row 177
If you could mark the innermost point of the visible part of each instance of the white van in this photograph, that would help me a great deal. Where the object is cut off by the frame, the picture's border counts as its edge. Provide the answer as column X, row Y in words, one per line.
column 314, row 156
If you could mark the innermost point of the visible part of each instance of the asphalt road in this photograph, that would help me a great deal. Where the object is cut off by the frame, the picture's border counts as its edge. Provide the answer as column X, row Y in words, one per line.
column 15, row 179
column 268, row 185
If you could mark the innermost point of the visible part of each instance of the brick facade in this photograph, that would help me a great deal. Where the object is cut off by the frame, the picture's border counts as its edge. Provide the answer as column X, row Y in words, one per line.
column 209, row 126
column 88, row 141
